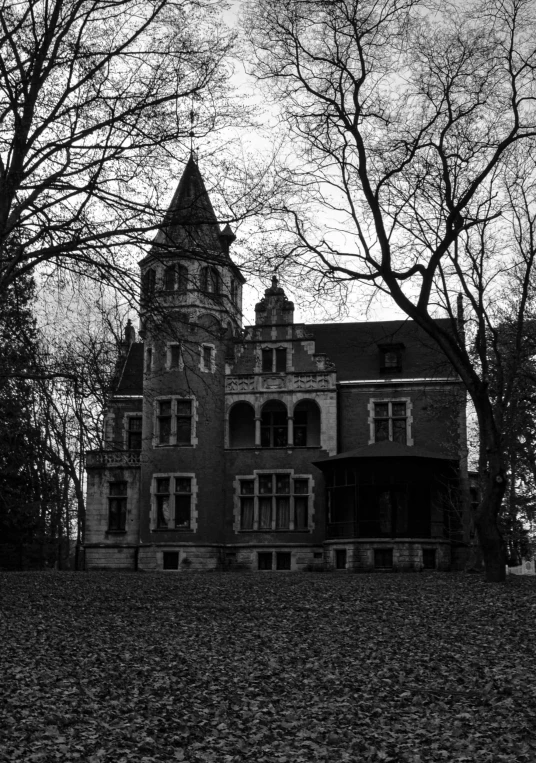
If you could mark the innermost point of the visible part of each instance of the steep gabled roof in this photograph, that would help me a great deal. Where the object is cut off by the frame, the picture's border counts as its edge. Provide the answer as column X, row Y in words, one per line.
column 131, row 378
column 353, row 348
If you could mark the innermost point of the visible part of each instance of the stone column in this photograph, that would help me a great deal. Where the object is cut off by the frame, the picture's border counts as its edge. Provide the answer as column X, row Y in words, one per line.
column 290, row 435
column 257, row 431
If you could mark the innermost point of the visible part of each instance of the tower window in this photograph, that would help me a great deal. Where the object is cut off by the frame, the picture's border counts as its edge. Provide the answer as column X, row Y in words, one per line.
column 148, row 284
column 170, row 278
column 210, row 280
column 174, row 355
column 174, row 422
column 173, row 502
column 148, row 359
column 207, row 357
column 234, row 291
column 164, row 422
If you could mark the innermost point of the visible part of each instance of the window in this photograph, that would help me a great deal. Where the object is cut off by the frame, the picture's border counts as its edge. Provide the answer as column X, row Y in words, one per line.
column 162, row 502
column 208, row 353
column 175, row 278
column 234, row 291
column 247, row 504
column 174, row 355
column 429, row 558
column 170, row 560
column 390, row 421
column 117, row 506
column 340, row 559
column 391, row 358
column 174, row 422
column 242, row 425
column 148, row 283
column 173, row 496
column 183, row 502
column 274, row 360
column 383, row 558
column 276, row 501
column 134, row 432
column 170, row 278
column 306, row 424
column 274, row 425
column 210, row 280
column 264, row 560
column 148, row 359
column 282, row 560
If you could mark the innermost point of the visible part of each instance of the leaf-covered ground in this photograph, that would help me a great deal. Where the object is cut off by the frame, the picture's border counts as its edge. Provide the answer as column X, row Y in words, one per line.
column 269, row 667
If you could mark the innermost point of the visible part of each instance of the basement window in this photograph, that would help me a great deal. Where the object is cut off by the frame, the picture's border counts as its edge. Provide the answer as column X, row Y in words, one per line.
column 282, row 560
column 340, row 559
column 383, row 558
column 264, row 560
column 429, row 558
column 170, row 560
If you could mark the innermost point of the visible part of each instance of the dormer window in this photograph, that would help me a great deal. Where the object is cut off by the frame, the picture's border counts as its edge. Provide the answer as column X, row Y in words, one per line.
column 391, row 358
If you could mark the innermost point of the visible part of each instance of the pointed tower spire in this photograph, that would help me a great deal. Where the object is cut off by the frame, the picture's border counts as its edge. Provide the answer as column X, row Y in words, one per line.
column 190, row 223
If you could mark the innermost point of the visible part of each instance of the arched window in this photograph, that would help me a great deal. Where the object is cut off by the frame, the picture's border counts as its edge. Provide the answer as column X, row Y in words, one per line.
column 274, row 425
column 182, row 278
column 169, row 278
column 242, row 426
column 306, row 423
column 210, row 280
column 234, row 291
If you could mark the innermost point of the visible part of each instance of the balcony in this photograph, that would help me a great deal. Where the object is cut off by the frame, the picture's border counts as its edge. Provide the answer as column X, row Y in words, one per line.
column 98, row 459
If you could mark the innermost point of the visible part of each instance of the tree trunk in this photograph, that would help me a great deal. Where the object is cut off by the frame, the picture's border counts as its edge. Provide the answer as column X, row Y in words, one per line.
column 489, row 535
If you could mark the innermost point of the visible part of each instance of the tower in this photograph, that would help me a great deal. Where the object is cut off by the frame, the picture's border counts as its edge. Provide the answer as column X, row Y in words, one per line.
column 191, row 310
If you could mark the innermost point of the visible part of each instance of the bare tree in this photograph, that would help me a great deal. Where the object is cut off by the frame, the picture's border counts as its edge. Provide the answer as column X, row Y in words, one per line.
column 413, row 127
column 96, row 99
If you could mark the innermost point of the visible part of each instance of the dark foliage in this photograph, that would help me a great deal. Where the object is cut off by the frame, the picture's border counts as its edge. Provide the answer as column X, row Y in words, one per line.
column 112, row 668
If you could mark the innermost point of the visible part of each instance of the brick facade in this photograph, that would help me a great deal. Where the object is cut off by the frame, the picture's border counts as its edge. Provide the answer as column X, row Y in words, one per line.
column 278, row 446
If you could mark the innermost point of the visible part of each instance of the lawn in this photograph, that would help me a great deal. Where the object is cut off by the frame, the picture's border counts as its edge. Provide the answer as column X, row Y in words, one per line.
column 267, row 667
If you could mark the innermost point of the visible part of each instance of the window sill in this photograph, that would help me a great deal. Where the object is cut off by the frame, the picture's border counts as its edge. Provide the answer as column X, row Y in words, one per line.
column 274, row 531
column 172, row 445
column 171, row 530
column 277, row 447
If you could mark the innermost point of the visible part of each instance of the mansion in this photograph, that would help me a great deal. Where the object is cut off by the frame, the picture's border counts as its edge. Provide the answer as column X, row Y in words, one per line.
column 272, row 446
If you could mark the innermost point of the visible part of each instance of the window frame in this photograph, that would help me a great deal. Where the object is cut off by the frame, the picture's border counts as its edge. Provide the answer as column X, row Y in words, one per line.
column 274, row 359
column 202, row 365
column 127, row 417
column 293, row 496
column 148, row 359
column 210, row 274
column 169, row 350
column 397, row 348
column 174, row 416
column 372, row 418
column 123, row 497
column 170, row 525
